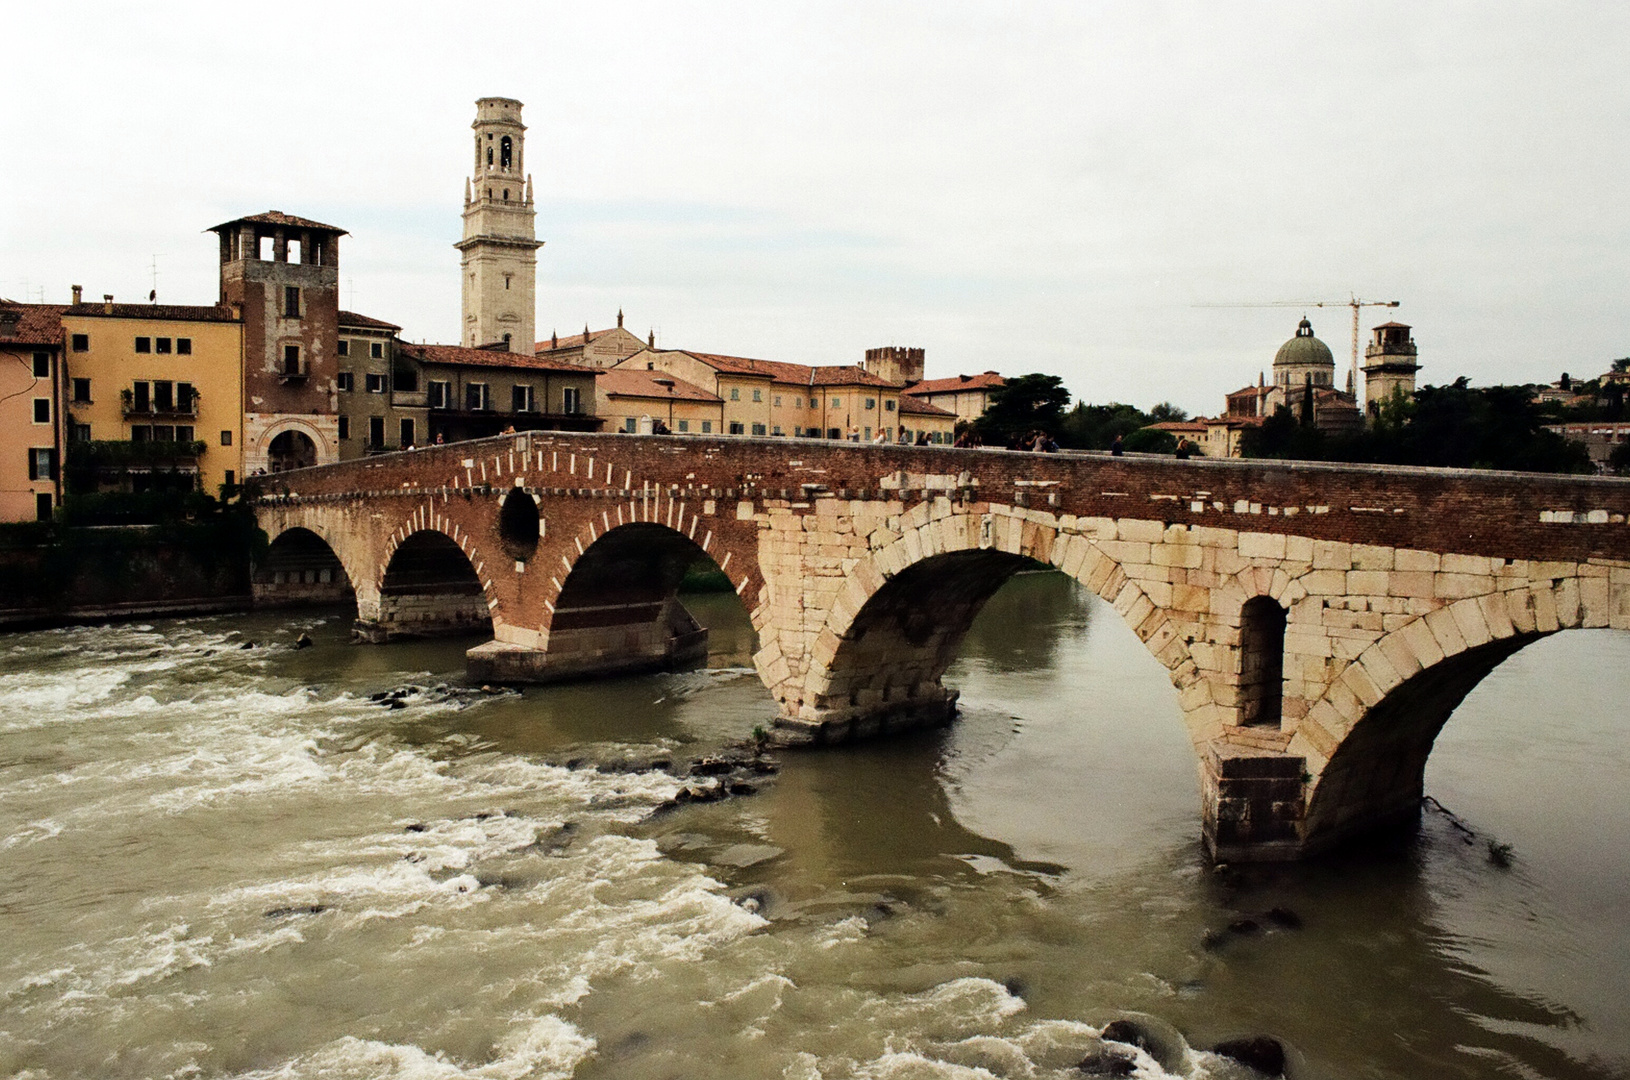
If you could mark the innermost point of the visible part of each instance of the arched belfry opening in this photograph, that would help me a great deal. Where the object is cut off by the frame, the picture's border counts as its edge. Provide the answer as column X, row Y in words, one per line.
column 300, row 569
column 506, row 149
column 429, row 590
column 1262, row 662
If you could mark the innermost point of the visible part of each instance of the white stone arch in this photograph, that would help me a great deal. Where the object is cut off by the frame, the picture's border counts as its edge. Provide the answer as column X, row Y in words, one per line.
column 1075, row 550
column 259, row 455
column 334, row 534
column 1367, row 739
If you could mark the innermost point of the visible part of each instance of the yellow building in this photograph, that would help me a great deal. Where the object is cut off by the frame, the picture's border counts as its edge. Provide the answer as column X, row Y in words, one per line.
column 31, row 431
column 926, row 423
column 769, row 397
column 166, row 374
column 644, row 401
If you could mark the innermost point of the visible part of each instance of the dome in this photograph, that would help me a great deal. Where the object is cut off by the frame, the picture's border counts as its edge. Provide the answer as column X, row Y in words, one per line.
column 1304, row 350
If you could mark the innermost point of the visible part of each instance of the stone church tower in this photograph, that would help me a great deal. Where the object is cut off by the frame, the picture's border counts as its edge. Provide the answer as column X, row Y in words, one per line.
column 500, row 255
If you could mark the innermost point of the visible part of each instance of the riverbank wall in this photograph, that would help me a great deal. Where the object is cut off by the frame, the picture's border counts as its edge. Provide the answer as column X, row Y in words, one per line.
column 55, row 576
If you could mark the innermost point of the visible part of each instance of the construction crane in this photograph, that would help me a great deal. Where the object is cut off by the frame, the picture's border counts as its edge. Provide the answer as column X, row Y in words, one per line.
column 1352, row 301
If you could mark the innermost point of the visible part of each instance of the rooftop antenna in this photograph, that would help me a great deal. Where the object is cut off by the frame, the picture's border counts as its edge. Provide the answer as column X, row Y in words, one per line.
column 152, row 297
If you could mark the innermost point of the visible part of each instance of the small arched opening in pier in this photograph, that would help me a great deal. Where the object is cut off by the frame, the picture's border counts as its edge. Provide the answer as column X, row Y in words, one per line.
column 1262, row 661
column 519, row 526
column 300, row 568
column 646, row 597
column 430, row 589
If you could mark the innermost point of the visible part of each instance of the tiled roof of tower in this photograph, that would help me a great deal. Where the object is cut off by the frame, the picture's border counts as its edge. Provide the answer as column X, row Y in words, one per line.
column 490, row 358
column 177, row 312
column 632, row 382
column 35, row 324
column 987, row 380
column 793, row 374
column 574, row 341
column 351, row 318
column 912, row 406
column 278, row 217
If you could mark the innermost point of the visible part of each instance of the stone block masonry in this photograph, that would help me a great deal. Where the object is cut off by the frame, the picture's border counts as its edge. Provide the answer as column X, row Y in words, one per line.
column 862, row 568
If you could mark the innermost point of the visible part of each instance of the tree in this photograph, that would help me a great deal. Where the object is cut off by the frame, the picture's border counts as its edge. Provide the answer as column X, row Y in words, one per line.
column 1166, row 412
column 1022, row 405
column 1095, row 427
column 1618, row 460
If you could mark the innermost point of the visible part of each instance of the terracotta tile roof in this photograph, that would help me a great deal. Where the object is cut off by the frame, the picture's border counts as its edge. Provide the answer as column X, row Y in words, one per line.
column 1257, row 391
column 488, row 358
column 575, row 341
column 1193, row 427
column 351, row 318
column 34, row 324
column 1392, row 326
column 278, row 217
column 911, row 406
column 791, row 374
column 986, row 380
column 177, row 312
column 632, row 382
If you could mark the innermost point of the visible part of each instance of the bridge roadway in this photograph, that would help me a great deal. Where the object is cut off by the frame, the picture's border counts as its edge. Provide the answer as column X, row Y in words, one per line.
column 1319, row 622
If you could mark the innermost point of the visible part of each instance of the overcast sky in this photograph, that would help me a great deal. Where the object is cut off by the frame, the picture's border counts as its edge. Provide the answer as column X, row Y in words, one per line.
column 1015, row 187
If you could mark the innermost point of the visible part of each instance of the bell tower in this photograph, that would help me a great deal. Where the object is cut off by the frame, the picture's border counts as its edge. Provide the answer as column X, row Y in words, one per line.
column 500, row 261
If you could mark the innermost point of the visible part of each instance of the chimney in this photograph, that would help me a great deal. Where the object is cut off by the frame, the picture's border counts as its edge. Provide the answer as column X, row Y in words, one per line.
column 107, row 303
column 79, row 291
column 619, row 318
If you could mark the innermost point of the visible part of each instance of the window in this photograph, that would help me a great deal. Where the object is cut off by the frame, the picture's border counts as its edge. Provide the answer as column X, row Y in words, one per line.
column 441, row 394
column 505, row 148
column 376, row 431
column 42, row 505
column 82, row 343
column 837, row 403
column 344, row 347
column 345, row 427
column 140, row 401
column 42, row 463
column 291, row 301
column 291, row 359
column 520, row 399
column 80, row 433
column 871, row 403
column 231, row 478
column 42, row 365
column 736, row 428
column 834, row 433
column 888, row 406
column 735, row 393
column 776, row 430
column 475, row 397
column 42, row 410
column 183, row 346
column 405, row 429
column 630, row 425
column 344, row 380
column 183, row 433
column 161, row 345
column 707, row 427
column 758, row 429
column 376, row 350
column 186, row 398
column 684, row 426
column 226, row 438
column 758, row 395
column 144, row 344
column 571, row 400
column 778, row 401
column 163, row 396
column 376, row 383
column 82, row 391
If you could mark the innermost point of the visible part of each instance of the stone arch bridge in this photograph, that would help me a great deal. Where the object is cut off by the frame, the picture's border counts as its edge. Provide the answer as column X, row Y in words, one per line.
column 1319, row 622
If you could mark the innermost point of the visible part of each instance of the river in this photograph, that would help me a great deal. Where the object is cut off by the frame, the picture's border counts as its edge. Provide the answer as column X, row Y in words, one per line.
column 228, row 861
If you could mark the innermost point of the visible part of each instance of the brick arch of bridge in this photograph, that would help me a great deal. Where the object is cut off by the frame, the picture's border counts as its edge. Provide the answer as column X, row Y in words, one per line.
column 426, row 519
column 887, row 640
column 1366, row 741
column 333, row 528
column 634, row 555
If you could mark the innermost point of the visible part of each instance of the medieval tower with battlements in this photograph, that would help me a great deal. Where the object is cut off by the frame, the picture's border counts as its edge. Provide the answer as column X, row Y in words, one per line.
column 500, row 261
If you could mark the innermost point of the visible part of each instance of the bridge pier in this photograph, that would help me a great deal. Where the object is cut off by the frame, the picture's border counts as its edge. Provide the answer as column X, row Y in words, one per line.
column 587, row 644
column 1252, row 803
column 868, row 715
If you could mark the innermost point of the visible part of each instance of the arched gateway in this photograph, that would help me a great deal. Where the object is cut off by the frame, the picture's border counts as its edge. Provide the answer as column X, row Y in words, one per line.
column 1319, row 622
